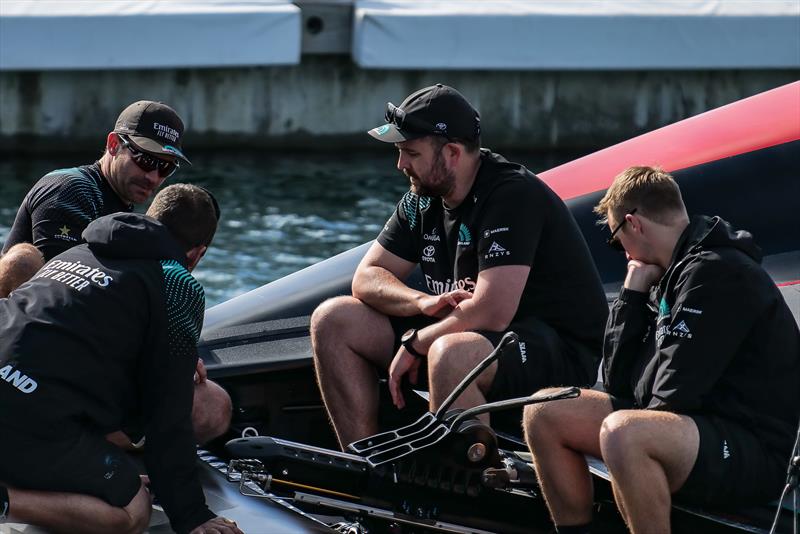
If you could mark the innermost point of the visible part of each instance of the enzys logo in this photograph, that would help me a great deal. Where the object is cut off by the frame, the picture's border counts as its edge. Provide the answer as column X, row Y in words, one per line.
column 496, row 250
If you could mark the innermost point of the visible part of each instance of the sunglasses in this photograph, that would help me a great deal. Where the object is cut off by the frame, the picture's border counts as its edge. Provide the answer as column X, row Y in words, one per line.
column 399, row 118
column 148, row 162
column 614, row 242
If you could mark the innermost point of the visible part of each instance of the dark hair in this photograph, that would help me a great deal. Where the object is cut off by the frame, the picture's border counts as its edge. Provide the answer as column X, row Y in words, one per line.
column 470, row 145
column 189, row 212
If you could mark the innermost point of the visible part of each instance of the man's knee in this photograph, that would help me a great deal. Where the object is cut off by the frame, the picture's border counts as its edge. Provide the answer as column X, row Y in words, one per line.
column 211, row 411
column 550, row 420
column 17, row 266
column 333, row 316
column 542, row 418
column 623, row 434
column 136, row 516
column 457, row 352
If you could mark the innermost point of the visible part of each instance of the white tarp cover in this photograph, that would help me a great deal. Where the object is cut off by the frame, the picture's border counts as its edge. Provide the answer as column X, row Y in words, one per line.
column 129, row 34
column 577, row 34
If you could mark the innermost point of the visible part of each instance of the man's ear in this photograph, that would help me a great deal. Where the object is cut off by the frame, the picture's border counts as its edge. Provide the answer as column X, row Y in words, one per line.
column 193, row 256
column 453, row 153
column 635, row 222
column 112, row 143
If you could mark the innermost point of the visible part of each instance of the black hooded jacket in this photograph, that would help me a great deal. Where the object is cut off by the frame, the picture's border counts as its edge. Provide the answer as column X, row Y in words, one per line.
column 108, row 332
column 717, row 339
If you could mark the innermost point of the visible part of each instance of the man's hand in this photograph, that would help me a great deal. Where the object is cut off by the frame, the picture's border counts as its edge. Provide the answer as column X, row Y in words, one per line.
column 200, row 373
column 440, row 305
column 642, row 276
column 402, row 363
column 218, row 525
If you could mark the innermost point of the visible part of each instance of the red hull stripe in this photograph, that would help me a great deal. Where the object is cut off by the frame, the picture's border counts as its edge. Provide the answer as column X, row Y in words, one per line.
column 792, row 283
column 761, row 121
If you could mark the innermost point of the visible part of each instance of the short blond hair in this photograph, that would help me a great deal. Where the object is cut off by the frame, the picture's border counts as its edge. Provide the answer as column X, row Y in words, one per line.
column 652, row 191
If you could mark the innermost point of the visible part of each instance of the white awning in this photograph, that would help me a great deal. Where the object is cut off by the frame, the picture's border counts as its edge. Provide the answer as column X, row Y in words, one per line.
column 577, row 34
column 140, row 34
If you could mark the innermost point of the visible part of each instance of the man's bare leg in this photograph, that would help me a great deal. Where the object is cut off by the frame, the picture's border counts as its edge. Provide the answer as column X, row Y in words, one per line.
column 649, row 455
column 211, row 416
column 17, row 266
column 350, row 340
column 450, row 358
column 211, row 411
column 558, row 434
column 71, row 512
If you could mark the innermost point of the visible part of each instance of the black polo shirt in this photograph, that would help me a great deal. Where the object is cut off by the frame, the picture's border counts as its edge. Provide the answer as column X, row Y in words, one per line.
column 509, row 217
column 60, row 206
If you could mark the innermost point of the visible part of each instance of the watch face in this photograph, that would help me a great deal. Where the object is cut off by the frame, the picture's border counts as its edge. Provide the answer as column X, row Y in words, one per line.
column 408, row 336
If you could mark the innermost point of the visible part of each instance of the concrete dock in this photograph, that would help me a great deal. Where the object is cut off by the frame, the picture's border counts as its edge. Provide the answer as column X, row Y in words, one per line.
column 307, row 76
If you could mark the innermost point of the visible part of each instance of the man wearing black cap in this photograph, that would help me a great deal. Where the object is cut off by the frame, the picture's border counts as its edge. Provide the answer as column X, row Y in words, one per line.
column 142, row 151
column 498, row 251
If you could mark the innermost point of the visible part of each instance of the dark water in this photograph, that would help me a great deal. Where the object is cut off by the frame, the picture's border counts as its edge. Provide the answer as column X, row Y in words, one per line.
column 280, row 212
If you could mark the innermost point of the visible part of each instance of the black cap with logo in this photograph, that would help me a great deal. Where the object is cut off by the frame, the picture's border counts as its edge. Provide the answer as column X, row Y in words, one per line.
column 153, row 127
column 434, row 110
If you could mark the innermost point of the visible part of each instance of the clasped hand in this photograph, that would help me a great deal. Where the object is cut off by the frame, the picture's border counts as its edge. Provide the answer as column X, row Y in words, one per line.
column 440, row 306
column 642, row 276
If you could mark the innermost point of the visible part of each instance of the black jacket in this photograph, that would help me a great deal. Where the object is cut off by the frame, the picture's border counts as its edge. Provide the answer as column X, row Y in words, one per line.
column 717, row 339
column 109, row 330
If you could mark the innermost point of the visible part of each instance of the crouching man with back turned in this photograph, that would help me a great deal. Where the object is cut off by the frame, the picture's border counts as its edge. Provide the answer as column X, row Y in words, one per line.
column 701, row 373
column 106, row 332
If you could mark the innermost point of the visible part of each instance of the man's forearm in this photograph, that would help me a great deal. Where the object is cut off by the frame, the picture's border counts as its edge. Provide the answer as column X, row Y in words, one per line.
column 469, row 315
column 386, row 293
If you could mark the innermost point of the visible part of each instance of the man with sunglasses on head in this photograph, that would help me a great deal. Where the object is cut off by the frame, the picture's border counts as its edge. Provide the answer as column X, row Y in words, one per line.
column 701, row 372
column 498, row 251
column 143, row 150
column 107, row 332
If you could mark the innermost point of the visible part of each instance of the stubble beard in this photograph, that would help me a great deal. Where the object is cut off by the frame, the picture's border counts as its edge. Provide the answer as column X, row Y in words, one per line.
column 438, row 183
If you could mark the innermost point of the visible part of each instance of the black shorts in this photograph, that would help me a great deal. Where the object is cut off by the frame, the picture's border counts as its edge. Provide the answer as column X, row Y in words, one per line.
column 542, row 358
column 733, row 466
column 75, row 461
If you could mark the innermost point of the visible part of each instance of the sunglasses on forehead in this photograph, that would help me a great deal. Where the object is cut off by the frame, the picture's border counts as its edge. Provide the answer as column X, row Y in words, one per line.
column 399, row 118
column 148, row 162
column 612, row 241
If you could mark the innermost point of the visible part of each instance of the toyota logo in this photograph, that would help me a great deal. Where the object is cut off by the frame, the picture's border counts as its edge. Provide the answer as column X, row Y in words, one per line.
column 429, row 250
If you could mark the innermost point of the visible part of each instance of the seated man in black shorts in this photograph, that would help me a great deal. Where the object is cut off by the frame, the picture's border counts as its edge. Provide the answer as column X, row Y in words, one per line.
column 499, row 251
column 701, row 373
column 104, row 334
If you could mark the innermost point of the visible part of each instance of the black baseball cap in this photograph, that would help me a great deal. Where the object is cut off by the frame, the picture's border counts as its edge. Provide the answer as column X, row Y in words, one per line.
column 434, row 110
column 153, row 127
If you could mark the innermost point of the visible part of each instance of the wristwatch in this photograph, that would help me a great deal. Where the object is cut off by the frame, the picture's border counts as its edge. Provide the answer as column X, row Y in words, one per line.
column 407, row 341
